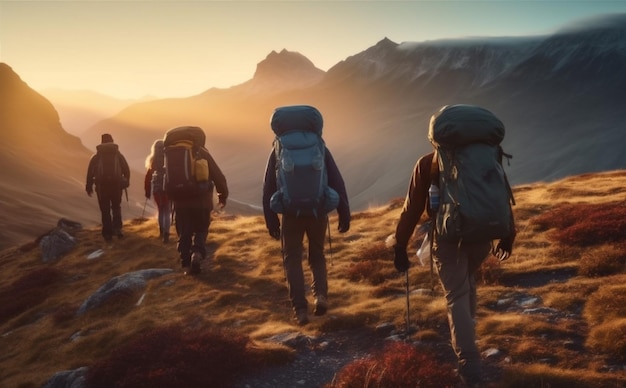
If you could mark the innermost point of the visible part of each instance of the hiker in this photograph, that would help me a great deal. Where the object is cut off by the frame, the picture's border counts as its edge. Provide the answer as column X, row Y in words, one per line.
column 295, row 195
column 456, row 258
column 191, row 174
column 110, row 173
column 154, row 186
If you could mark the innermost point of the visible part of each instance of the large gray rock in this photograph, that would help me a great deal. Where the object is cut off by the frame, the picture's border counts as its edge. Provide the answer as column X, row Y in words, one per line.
column 123, row 284
column 59, row 241
column 68, row 379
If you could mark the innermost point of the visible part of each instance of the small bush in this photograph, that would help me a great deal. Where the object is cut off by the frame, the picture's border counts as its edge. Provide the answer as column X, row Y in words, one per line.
column 490, row 271
column 609, row 338
column 27, row 292
column 585, row 224
column 602, row 262
column 608, row 302
column 546, row 376
column 399, row 365
column 366, row 270
column 352, row 321
column 172, row 356
column 376, row 251
column 374, row 261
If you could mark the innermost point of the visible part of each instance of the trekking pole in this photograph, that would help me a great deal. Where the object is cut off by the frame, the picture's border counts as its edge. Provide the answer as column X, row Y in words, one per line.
column 144, row 208
column 330, row 242
column 282, row 251
column 408, row 314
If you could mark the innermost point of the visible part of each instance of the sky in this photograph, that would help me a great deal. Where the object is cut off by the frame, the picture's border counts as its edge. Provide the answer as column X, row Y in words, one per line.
column 133, row 49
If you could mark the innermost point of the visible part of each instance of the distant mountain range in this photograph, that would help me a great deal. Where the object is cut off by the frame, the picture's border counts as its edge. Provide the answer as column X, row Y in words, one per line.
column 81, row 109
column 561, row 97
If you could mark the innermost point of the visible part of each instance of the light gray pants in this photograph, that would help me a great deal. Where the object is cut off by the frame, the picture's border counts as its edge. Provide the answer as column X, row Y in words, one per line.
column 456, row 267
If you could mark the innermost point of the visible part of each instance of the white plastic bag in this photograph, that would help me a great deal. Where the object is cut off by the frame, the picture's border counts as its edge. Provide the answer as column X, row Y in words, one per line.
column 423, row 253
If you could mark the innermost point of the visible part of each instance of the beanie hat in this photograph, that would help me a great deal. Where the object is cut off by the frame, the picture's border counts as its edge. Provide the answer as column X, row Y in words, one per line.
column 106, row 138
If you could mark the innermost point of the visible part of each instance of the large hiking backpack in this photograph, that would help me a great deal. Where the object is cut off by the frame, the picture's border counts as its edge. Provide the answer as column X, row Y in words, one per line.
column 109, row 167
column 158, row 168
column 301, row 175
column 475, row 195
column 186, row 174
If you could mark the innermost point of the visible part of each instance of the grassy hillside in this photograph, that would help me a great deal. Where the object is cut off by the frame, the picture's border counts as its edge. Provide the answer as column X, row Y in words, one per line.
column 555, row 311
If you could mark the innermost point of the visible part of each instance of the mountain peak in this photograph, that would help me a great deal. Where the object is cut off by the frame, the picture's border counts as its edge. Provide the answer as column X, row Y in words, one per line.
column 386, row 42
column 287, row 67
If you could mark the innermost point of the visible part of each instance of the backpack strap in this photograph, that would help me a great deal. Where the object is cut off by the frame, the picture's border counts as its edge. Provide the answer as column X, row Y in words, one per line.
column 434, row 177
column 434, row 169
column 506, row 179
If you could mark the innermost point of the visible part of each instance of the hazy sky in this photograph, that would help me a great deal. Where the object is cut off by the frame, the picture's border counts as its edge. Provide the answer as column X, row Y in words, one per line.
column 130, row 49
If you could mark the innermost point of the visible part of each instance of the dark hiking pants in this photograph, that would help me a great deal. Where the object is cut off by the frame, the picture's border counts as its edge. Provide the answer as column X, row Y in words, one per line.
column 193, row 226
column 109, row 201
column 294, row 229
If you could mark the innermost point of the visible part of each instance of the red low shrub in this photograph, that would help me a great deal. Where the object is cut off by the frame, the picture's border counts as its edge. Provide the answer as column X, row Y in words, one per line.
column 399, row 365
column 27, row 292
column 585, row 224
column 175, row 357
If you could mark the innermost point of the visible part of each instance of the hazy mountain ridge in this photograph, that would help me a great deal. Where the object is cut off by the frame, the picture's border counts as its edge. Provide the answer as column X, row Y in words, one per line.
column 545, row 89
column 81, row 109
column 554, row 93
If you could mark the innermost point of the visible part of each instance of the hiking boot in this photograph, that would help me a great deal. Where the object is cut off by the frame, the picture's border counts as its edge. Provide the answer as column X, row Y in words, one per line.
column 195, row 264
column 469, row 378
column 321, row 305
column 302, row 317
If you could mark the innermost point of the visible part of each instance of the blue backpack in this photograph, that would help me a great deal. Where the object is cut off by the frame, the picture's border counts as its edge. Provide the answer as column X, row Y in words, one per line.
column 301, row 175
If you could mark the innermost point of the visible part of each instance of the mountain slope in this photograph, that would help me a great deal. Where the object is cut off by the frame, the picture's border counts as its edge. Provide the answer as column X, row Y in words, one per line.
column 535, row 317
column 43, row 167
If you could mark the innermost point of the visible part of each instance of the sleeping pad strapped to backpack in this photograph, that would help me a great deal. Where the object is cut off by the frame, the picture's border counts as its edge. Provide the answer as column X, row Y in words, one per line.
column 301, row 176
column 475, row 195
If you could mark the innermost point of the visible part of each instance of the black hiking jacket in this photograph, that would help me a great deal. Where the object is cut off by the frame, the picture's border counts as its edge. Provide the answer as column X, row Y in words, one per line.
column 92, row 170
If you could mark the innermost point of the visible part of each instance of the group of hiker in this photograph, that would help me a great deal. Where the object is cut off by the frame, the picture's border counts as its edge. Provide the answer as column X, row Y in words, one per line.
column 461, row 186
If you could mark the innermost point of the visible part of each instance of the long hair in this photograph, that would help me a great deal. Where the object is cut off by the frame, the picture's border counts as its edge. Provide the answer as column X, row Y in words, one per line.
column 157, row 143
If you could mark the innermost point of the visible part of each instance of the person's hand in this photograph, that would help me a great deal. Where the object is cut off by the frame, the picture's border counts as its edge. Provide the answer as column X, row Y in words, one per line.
column 147, row 195
column 401, row 259
column 221, row 203
column 275, row 233
column 89, row 191
column 343, row 227
column 504, row 248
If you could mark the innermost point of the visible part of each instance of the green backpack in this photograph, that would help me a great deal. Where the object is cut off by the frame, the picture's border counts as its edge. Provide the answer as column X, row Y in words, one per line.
column 475, row 195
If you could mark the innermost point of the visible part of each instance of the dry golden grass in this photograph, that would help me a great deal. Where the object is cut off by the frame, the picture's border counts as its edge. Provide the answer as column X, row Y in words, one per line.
column 242, row 288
